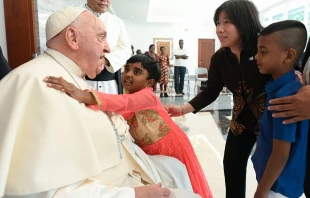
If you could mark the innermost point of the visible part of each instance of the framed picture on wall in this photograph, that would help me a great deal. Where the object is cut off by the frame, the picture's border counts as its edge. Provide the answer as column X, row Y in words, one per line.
column 167, row 43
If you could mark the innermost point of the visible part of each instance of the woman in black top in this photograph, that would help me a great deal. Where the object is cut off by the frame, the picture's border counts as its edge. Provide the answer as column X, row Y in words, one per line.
column 237, row 27
column 4, row 66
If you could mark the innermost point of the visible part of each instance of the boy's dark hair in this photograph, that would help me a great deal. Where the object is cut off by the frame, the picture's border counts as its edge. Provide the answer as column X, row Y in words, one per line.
column 244, row 15
column 180, row 40
column 148, row 63
column 152, row 45
column 293, row 34
column 162, row 47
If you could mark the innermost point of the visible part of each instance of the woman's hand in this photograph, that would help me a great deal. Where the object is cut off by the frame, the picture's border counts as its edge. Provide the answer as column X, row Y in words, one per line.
column 295, row 108
column 174, row 110
column 68, row 88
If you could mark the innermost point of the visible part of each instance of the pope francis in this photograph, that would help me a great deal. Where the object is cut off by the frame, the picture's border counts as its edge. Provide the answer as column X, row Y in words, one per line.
column 52, row 146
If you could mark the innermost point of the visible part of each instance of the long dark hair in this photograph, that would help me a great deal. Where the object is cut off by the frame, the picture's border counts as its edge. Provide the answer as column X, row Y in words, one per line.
column 244, row 15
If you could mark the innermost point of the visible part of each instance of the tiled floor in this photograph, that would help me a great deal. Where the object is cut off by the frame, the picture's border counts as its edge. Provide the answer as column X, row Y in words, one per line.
column 207, row 130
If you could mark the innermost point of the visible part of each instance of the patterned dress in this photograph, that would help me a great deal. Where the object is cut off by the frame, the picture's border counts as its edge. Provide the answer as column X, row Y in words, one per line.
column 164, row 66
column 155, row 132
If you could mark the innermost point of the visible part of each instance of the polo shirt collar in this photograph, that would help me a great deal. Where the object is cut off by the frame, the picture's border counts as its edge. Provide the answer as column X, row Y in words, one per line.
column 280, row 82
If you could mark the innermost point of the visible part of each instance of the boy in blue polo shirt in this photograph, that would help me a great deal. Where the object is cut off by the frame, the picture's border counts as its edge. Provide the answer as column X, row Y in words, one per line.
column 280, row 157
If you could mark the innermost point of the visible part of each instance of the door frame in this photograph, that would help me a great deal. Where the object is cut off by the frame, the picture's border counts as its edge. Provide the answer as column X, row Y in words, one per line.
column 20, row 28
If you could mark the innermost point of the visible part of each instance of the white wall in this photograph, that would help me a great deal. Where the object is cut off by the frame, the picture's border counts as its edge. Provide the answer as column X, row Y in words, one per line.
column 45, row 9
column 142, row 36
column 283, row 8
column 2, row 31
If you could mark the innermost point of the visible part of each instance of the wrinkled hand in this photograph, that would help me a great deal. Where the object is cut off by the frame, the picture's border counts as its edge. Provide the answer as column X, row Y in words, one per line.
column 153, row 191
column 296, row 107
column 68, row 88
column 174, row 110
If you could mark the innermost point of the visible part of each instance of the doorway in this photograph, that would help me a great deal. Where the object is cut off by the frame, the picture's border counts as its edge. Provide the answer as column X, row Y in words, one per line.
column 205, row 52
column 20, row 31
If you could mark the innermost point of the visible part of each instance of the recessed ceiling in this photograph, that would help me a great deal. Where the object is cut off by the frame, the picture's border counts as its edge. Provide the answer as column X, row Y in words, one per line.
column 172, row 11
column 182, row 11
column 125, row 9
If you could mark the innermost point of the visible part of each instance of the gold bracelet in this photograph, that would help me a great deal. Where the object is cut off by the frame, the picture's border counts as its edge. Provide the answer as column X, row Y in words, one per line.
column 182, row 110
column 97, row 99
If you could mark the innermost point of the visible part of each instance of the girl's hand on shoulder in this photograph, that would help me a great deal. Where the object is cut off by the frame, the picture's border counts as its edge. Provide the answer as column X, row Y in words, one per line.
column 66, row 87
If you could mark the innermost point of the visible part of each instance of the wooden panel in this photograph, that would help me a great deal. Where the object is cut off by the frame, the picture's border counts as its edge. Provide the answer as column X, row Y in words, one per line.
column 205, row 52
column 20, row 31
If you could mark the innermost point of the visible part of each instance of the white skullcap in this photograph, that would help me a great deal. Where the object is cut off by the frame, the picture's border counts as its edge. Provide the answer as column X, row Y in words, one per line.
column 60, row 19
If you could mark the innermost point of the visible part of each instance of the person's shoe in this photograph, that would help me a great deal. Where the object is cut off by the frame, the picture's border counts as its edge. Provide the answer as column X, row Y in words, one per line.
column 161, row 94
column 166, row 94
column 178, row 95
column 182, row 93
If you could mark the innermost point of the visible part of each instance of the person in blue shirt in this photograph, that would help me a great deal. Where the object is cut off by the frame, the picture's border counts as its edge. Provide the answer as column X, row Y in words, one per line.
column 280, row 157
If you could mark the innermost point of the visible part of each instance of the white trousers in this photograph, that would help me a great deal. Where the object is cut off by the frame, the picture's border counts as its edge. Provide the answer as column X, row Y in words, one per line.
column 109, row 87
column 272, row 194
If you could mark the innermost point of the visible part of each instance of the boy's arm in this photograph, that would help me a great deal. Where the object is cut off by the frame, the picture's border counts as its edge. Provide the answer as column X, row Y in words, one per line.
column 276, row 163
column 283, row 135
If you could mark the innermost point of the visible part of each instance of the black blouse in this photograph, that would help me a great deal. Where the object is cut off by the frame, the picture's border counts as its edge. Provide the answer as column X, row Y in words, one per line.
column 245, row 82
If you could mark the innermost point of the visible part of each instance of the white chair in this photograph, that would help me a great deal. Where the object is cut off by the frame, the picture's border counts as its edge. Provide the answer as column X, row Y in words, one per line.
column 200, row 71
column 170, row 80
column 186, row 79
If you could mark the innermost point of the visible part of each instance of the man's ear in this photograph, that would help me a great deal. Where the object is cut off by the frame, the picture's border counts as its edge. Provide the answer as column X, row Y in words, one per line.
column 150, row 82
column 291, row 55
column 71, row 38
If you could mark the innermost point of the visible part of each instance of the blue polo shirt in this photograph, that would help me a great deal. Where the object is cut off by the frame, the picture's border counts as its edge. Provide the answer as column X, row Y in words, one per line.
column 291, row 180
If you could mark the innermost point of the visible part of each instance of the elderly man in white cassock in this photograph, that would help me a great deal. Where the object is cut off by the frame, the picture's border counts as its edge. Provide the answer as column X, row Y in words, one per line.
column 53, row 146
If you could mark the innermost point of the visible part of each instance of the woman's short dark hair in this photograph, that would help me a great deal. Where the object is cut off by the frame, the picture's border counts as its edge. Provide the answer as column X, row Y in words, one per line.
column 244, row 15
column 148, row 63
column 152, row 45
column 162, row 47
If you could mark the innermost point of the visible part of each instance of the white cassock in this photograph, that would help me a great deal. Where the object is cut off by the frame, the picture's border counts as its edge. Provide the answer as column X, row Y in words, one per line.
column 53, row 146
column 306, row 72
column 117, row 39
column 120, row 46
